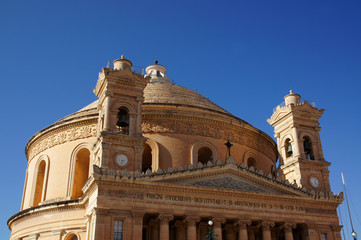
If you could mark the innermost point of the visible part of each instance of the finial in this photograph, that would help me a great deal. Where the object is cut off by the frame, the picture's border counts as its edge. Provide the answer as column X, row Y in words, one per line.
column 156, row 62
column 122, row 57
column 291, row 92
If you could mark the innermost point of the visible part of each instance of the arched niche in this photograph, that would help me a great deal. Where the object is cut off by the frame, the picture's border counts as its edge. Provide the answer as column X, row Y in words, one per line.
column 204, row 151
column 150, row 156
column 40, row 180
column 79, row 170
column 250, row 159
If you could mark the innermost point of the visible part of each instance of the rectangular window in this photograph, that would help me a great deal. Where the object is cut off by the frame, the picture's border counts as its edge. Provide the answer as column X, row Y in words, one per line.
column 118, row 230
column 323, row 236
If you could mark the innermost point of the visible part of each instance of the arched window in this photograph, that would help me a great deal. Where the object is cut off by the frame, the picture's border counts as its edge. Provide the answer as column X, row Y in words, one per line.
column 251, row 162
column 39, row 185
column 81, row 172
column 146, row 158
column 72, row 237
column 307, row 146
column 123, row 121
column 288, row 148
column 204, row 155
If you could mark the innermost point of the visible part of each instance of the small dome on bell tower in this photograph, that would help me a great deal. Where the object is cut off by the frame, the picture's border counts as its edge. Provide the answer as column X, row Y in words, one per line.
column 157, row 73
column 292, row 98
column 122, row 64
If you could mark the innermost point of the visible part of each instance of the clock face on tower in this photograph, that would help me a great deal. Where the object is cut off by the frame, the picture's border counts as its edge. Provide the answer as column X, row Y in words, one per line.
column 314, row 182
column 121, row 160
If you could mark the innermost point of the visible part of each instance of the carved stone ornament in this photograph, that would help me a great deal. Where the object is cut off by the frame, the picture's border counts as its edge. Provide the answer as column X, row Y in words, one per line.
column 64, row 135
column 192, row 219
column 164, row 217
column 267, row 224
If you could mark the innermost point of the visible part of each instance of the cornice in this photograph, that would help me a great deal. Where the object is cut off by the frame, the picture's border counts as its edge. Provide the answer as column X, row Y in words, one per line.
column 151, row 179
column 41, row 209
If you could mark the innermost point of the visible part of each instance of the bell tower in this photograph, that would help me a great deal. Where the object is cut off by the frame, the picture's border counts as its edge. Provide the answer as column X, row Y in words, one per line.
column 120, row 142
column 296, row 128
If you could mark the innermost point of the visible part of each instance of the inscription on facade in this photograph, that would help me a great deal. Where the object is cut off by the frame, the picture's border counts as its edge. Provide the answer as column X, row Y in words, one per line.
column 199, row 200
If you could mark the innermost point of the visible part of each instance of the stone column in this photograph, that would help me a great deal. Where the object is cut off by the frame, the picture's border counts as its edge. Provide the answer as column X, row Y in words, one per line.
column 296, row 147
column 139, row 118
column 164, row 225
column 229, row 229
column 242, row 228
column 266, row 230
column 180, row 230
column 106, row 113
column 288, row 230
column 192, row 227
column 137, row 224
column 217, row 226
column 154, row 229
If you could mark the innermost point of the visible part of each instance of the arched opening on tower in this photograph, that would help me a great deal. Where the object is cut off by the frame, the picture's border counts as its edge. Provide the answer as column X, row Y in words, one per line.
column 204, row 155
column 288, row 148
column 251, row 162
column 123, row 121
column 81, row 172
column 39, row 187
column 147, row 158
column 307, row 146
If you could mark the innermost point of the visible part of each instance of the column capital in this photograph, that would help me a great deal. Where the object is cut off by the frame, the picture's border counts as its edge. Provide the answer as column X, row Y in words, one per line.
column 243, row 222
column 192, row 219
column 217, row 220
column 289, row 226
column 267, row 224
column 336, row 227
column 165, row 217
column 137, row 213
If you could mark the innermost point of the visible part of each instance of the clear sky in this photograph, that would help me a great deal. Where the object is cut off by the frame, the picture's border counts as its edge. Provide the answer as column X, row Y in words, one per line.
column 244, row 55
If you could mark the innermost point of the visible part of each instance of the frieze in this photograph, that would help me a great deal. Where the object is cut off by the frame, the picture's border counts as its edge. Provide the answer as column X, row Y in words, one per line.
column 54, row 138
column 133, row 195
column 211, row 129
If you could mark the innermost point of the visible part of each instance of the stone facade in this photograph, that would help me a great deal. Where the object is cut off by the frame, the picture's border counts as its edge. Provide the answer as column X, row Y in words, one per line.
column 148, row 160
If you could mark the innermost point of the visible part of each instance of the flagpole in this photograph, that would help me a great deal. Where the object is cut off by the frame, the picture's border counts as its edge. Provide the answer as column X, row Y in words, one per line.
column 348, row 208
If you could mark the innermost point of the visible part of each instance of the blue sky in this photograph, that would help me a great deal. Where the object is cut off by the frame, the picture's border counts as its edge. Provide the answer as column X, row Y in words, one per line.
column 243, row 55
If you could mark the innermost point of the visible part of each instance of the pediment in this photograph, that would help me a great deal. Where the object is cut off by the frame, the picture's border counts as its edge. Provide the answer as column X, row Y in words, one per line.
column 229, row 177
